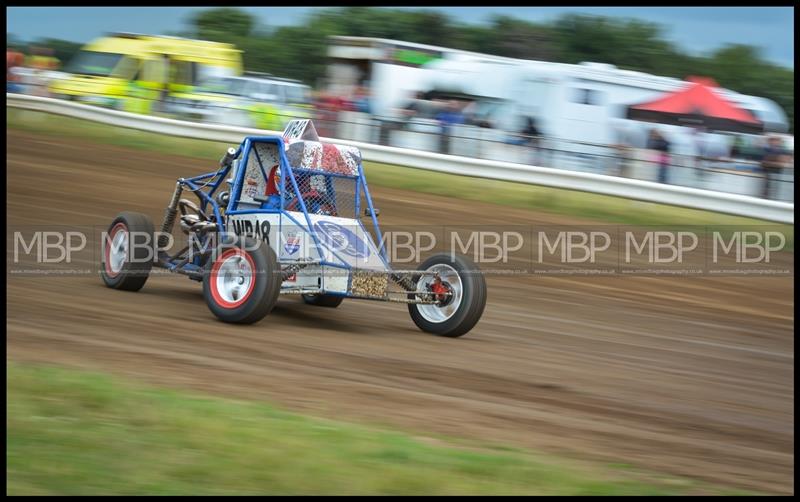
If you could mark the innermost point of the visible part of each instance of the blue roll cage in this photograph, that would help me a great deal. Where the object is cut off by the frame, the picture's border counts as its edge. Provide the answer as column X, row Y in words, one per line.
column 197, row 184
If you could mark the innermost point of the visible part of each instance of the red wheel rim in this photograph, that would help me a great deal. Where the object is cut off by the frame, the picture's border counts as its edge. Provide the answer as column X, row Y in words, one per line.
column 233, row 278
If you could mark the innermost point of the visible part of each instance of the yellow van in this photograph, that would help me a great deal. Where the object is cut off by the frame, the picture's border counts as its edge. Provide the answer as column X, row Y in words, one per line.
column 136, row 73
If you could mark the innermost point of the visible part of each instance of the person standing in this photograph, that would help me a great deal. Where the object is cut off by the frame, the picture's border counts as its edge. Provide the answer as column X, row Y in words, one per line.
column 413, row 106
column 773, row 159
column 326, row 113
column 701, row 151
column 451, row 115
column 659, row 143
column 361, row 100
column 14, row 59
column 531, row 136
column 623, row 149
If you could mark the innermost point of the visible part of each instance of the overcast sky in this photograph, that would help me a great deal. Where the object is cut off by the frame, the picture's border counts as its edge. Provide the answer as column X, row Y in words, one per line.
column 698, row 30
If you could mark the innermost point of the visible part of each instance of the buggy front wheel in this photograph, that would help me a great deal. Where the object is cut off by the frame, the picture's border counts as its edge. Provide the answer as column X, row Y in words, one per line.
column 242, row 281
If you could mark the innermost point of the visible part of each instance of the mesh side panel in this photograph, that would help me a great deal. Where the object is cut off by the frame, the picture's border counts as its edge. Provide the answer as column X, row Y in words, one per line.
column 366, row 283
column 322, row 194
column 374, row 284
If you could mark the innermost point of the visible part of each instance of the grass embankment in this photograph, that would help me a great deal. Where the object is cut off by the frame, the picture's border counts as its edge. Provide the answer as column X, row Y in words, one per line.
column 584, row 205
column 74, row 432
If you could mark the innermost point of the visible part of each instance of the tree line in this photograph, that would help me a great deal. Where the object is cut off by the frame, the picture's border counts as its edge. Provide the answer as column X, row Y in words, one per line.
column 300, row 52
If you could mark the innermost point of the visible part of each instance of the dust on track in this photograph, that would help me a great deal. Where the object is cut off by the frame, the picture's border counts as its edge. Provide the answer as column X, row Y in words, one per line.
column 689, row 376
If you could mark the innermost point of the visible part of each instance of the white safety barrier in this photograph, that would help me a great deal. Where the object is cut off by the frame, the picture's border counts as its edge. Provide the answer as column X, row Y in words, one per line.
column 729, row 203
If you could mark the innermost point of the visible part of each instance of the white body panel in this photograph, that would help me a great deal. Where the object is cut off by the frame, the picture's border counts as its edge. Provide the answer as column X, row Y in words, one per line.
column 344, row 242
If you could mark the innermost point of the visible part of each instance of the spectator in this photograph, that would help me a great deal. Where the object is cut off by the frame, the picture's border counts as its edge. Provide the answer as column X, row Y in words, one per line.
column 774, row 158
column 327, row 109
column 14, row 59
column 449, row 116
column 531, row 136
column 413, row 106
column 659, row 143
column 420, row 107
column 701, row 152
column 738, row 148
column 530, row 131
column 361, row 101
column 470, row 112
column 623, row 147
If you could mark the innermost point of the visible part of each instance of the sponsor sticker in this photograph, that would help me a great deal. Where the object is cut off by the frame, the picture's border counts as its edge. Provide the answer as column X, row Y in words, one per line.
column 292, row 244
column 341, row 239
column 251, row 188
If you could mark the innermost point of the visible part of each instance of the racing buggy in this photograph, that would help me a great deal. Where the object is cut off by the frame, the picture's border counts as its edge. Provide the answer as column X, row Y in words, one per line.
column 291, row 218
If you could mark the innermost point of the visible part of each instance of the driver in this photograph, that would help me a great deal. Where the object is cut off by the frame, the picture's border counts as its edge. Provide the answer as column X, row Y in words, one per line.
column 272, row 192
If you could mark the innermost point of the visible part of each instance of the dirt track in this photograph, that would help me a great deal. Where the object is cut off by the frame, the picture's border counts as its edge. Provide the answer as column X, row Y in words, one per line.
column 691, row 376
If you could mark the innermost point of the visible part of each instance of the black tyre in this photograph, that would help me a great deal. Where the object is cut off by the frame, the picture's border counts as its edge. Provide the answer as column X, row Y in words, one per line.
column 461, row 290
column 119, row 268
column 241, row 282
column 330, row 301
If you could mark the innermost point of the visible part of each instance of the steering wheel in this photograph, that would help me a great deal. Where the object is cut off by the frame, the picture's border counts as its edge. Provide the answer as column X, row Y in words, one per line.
column 192, row 218
column 184, row 206
column 312, row 196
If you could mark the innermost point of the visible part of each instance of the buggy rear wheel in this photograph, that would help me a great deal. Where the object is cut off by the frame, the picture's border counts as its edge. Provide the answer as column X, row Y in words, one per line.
column 128, row 252
column 460, row 288
column 330, row 301
column 242, row 282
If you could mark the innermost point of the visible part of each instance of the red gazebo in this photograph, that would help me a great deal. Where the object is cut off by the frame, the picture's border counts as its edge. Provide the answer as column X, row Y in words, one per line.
column 697, row 105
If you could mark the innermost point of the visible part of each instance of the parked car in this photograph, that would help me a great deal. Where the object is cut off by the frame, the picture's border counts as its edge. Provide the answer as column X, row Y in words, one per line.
column 255, row 100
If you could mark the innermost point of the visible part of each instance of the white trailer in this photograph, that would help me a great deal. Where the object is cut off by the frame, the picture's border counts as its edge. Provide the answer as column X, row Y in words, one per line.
column 586, row 102
column 571, row 103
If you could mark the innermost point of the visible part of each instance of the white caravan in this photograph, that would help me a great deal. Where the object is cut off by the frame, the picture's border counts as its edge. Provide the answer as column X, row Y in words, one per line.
column 586, row 102
column 572, row 104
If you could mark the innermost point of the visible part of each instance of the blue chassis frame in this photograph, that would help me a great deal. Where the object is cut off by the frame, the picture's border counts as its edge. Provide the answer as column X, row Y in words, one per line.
column 243, row 152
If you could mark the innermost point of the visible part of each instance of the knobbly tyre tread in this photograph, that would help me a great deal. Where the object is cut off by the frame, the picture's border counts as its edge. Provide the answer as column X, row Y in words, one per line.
column 267, row 287
column 329, row 301
column 473, row 301
column 133, row 275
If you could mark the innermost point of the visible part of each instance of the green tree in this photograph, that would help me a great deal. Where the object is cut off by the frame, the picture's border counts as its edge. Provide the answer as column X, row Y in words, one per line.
column 629, row 44
column 223, row 22
column 514, row 38
column 743, row 69
column 64, row 50
column 301, row 51
column 14, row 42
